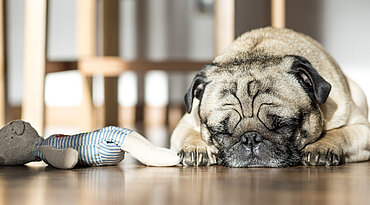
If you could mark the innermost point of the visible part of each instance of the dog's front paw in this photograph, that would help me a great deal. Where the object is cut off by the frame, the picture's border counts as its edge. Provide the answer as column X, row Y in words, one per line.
column 196, row 153
column 322, row 153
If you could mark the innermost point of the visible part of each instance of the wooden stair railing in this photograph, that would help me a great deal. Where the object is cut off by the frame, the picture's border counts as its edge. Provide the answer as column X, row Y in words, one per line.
column 110, row 66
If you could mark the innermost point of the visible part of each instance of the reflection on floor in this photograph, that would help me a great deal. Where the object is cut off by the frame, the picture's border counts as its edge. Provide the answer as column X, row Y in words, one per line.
column 129, row 183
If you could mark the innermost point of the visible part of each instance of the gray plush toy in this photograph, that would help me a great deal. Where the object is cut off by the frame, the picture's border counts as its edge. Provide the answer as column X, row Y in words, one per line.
column 20, row 144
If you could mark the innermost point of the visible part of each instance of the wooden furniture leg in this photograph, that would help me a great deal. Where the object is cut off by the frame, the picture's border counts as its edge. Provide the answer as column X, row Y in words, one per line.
column 34, row 63
column 3, row 69
column 110, row 48
column 278, row 13
column 224, row 21
column 86, row 46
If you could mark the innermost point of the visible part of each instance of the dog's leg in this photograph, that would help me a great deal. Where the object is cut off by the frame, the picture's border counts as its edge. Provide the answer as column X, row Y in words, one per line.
column 342, row 145
column 188, row 142
column 358, row 96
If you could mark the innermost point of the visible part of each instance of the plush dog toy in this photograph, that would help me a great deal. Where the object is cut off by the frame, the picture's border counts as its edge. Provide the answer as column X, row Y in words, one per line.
column 20, row 144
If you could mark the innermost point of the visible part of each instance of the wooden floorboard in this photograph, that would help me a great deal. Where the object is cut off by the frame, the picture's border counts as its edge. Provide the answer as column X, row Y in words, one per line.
column 128, row 183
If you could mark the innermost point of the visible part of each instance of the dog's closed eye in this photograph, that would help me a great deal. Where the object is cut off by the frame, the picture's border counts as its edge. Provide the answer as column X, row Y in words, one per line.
column 281, row 122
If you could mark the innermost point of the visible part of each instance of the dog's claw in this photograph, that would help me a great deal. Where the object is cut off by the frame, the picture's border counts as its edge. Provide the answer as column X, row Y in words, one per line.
column 320, row 154
column 196, row 156
column 181, row 155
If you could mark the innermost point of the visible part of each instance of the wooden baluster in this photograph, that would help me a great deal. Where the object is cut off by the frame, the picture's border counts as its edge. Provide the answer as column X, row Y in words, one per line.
column 3, row 69
column 224, row 21
column 110, row 48
column 86, row 47
column 33, row 106
column 278, row 13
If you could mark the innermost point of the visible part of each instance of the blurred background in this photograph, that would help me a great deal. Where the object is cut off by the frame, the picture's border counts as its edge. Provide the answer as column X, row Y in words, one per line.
column 163, row 30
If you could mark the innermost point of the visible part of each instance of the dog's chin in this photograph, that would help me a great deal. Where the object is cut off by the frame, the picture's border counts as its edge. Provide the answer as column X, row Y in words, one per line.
column 263, row 155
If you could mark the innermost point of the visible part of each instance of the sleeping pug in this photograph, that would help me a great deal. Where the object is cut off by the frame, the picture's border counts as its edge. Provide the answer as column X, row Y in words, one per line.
column 274, row 98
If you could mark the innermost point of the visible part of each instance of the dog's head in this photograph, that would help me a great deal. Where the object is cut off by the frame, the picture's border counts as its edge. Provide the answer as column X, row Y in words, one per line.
column 259, row 111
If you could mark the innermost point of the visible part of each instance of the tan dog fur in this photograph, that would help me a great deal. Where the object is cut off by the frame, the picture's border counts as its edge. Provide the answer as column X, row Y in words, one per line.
column 341, row 126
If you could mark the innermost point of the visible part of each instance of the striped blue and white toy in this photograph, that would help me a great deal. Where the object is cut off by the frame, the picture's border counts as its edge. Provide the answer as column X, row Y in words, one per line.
column 20, row 144
column 100, row 147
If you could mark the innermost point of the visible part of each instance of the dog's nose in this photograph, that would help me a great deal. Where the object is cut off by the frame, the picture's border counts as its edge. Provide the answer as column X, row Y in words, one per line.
column 251, row 138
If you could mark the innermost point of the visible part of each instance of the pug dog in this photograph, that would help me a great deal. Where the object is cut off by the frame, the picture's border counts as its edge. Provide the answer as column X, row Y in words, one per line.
column 274, row 98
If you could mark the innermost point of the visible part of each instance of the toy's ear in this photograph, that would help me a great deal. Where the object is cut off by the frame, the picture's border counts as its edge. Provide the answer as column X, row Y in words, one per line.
column 18, row 127
column 312, row 82
column 196, row 88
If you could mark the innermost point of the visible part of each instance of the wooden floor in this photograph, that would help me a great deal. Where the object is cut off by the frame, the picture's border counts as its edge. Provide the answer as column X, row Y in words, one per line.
column 129, row 183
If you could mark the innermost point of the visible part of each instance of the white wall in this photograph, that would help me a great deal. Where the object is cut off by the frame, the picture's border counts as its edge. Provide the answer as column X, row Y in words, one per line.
column 15, row 49
column 342, row 27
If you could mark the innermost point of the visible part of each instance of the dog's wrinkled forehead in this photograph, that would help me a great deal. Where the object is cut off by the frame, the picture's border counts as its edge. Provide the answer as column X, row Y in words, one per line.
column 263, row 79
column 248, row 69
column 255, row 57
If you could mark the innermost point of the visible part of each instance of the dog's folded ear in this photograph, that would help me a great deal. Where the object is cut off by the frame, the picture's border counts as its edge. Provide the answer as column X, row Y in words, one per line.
column 196, row 88
column 312, row 82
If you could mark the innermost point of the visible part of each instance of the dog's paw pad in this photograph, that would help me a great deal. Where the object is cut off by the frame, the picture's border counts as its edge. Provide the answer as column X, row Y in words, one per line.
column 321, row 154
